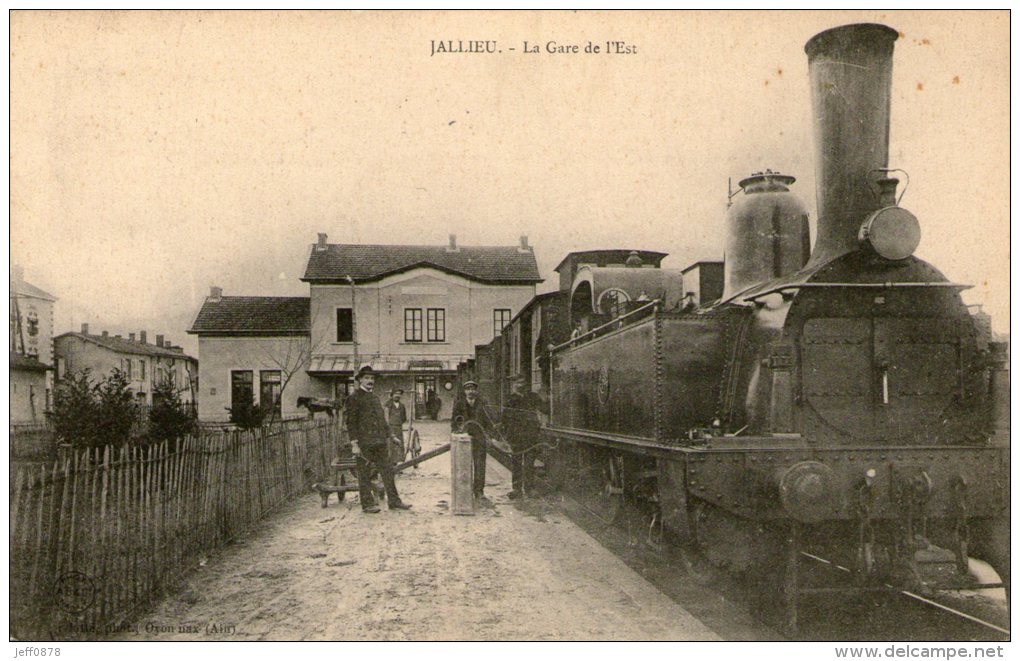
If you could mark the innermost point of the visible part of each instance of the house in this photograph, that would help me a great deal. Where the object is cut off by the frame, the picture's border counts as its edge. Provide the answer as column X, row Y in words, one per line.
column 412, row 312
column 31, row 350
column 253, row 348
column 144, row 364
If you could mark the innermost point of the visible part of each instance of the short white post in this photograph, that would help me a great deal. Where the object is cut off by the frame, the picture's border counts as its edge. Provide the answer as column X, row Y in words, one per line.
column 462, row 472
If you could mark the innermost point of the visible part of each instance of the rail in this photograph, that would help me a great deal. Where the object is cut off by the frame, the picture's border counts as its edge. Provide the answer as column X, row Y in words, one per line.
column 887, row 587
column 614, row 322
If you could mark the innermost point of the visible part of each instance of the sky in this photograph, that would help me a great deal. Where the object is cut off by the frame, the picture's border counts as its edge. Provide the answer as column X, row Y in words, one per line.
column 155, row 154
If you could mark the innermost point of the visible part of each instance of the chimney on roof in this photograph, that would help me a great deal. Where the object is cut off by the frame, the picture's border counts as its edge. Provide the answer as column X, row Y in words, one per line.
column 453, row 244
column 321, row 245
column 131, row 336
column 159, row 340
column 84, row 329
column 105, row 334
column 524, row 244
column 215, row 294
column 141, row 337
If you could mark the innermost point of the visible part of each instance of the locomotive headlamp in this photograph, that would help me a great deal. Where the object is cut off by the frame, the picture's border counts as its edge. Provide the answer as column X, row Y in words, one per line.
column 892, row 232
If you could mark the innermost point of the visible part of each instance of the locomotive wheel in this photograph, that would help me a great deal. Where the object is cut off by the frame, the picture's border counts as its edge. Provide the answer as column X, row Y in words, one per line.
column 603, row 487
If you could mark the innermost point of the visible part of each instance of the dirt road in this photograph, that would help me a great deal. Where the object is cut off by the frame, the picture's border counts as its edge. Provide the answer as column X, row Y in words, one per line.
column 511, row 572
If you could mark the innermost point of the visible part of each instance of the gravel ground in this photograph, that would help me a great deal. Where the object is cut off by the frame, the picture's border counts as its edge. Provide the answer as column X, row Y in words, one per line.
column 512, row 572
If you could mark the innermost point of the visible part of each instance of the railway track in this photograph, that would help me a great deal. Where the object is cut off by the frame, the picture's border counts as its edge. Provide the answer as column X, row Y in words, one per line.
column 726, row 604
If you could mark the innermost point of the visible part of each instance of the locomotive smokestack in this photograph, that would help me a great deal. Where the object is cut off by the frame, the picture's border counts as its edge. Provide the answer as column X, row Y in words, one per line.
column 851, row 85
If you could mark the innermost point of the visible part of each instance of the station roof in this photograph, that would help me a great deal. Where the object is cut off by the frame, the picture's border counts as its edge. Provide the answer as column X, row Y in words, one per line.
column 253, row 315
column 365, row 263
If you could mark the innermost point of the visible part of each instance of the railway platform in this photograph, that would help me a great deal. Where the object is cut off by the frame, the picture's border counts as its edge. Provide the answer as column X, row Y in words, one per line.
column 511, row 572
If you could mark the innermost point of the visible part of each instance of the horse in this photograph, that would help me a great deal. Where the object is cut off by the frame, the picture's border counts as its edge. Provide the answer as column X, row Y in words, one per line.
column 319, row 404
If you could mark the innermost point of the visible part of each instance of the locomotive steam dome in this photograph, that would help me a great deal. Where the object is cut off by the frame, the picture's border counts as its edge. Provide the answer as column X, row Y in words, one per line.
column 766, row 233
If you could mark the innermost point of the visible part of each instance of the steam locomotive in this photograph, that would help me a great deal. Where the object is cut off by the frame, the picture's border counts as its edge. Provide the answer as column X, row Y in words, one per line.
column 841, row 400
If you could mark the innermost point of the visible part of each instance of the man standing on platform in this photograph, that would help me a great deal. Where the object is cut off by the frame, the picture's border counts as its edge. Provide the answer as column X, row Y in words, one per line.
column 520, row 419
column 469, row 417
column 369, row 434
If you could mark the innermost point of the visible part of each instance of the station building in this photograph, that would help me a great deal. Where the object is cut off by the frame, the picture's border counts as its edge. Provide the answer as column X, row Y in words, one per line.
column 412, row 312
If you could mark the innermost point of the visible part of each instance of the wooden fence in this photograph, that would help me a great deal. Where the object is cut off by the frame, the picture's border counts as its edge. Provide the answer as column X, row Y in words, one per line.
column 97, row 537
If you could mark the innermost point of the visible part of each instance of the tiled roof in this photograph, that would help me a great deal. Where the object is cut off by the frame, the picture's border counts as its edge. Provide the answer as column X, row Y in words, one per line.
column 27, row 363
column 23, row 288
column 264, row 315
column 504, row 264
column 121, row 345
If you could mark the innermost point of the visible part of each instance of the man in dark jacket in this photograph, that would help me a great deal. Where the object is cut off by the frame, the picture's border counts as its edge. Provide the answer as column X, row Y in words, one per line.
column 520, row 420
column 469, row 417
column 369, row 434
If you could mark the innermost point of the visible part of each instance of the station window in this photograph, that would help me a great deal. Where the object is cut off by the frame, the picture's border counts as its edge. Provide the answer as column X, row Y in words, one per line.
column 500, row 318
column 436, row 318
column 344, row 324
column 269, row 391
column 412, row 325
column 241, row 387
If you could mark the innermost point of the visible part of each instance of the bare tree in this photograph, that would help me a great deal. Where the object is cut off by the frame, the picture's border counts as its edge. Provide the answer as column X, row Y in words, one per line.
column 292, row 357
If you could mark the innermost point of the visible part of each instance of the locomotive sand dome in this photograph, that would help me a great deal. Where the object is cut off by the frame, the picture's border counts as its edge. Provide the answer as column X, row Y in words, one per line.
column 766, row 233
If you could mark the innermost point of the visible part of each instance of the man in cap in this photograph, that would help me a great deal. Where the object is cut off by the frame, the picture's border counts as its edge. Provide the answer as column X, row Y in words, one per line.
column 369, row 434
column 396, row 416
column 520, row 419
column 470, row 418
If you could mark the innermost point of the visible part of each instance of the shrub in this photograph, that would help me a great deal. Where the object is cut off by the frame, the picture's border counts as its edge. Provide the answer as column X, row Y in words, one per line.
column 169, row 418
column 87, row 414
column 117, row 410
column 75, row 411
column 245, row 414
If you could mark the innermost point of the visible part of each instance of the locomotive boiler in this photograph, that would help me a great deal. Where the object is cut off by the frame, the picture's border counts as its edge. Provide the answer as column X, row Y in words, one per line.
column 841, row 400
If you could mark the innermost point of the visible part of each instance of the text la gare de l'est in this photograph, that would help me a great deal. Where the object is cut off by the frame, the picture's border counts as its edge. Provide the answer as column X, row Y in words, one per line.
column 492, row 47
